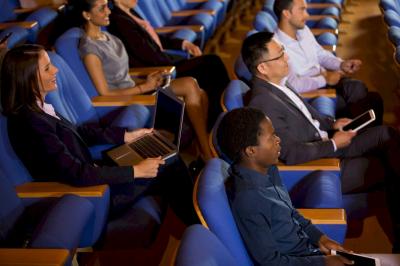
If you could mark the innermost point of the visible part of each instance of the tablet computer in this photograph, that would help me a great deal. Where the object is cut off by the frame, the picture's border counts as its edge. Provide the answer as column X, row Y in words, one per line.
column 360, row 121
column 358, row 259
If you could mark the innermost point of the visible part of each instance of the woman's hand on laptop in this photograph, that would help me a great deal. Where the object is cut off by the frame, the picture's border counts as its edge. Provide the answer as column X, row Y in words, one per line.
column 148, row 168
column 137, row 133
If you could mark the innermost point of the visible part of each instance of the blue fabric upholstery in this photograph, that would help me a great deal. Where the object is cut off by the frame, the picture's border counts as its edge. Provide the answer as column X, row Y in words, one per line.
column 327, row 38
column 61, row 226
column 19, row 36
column 324, row 105
column 264, row 21
column 392, row 18
column 16, row 173
column 200, row 247
column 394, row 35
column 214, row 206
column 390, row 5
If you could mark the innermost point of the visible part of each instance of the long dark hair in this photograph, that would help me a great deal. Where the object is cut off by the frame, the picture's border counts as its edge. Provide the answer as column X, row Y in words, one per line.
column 19, row 83
column 75, row 9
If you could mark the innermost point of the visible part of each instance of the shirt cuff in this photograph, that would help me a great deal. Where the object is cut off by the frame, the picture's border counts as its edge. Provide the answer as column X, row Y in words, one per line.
column 320, row 81
column 334, row 145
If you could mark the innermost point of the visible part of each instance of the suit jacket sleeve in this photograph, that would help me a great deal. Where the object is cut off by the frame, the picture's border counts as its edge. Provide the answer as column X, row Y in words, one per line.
column 93, row 134
column 56, row 148
column 294, row 151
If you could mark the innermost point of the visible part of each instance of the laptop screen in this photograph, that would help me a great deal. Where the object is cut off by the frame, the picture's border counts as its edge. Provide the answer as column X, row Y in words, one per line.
column 169, row 116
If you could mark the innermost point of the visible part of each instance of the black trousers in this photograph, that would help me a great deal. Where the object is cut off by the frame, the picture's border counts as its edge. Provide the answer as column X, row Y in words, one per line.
column 382, row 143
column 353, row 98
column 211, row 74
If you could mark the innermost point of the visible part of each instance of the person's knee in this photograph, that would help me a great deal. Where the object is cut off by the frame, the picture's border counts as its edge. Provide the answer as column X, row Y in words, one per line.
column 356, row 89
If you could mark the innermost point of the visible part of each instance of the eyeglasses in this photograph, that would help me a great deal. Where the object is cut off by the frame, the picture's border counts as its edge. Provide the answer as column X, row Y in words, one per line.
column 276, row 58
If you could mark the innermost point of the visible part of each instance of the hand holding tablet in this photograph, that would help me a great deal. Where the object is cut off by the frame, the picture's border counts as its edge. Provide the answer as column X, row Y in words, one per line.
column 360, row 121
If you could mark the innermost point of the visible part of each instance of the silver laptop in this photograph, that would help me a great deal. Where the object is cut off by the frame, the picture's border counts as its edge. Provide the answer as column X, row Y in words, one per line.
column 163, row 141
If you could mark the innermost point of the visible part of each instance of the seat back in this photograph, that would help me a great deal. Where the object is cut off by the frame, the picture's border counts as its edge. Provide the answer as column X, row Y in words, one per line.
column 70, row 99
column 67, row 47
column 200, row 247
column 233, row 95
column 151, row 12
column 11, row 207
column 212, row 206
column 10, row 165
column 264, row 21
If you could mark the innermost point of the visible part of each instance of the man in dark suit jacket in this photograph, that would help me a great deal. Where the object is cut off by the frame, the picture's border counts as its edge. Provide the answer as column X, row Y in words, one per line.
column 307, row 135
column 144, row 51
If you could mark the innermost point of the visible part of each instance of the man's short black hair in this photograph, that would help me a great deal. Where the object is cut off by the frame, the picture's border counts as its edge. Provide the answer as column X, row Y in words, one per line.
column 280, row 5
column 238, row 130
column 253, row 48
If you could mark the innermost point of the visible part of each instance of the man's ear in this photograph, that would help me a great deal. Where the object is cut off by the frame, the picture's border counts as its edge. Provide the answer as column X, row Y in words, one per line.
column 262, row 69
column 286, row 13
column 85, row 15
column 249, row 152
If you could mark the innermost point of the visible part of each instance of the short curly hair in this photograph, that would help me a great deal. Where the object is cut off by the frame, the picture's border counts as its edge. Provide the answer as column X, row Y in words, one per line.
column 238, row 130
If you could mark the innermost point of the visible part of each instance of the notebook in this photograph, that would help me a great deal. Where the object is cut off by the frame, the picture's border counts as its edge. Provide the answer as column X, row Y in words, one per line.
column 163, row 141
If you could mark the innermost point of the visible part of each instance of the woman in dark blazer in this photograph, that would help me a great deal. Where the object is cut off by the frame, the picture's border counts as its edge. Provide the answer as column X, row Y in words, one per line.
column 53, row 149
column 145, row 48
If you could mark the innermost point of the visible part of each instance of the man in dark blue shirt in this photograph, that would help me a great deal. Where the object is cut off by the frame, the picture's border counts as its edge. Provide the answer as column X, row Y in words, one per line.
column 272, row 229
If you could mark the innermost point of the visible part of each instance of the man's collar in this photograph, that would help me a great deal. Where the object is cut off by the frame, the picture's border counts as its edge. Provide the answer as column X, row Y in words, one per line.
column 252, row 178
column 286, row 39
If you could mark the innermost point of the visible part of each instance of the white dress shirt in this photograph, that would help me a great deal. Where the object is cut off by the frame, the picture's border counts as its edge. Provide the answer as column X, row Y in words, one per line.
column 48, row 109
column 306, row 60
column 302, row 107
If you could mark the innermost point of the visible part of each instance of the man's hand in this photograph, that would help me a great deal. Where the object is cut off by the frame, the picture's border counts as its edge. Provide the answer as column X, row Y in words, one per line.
column 343, row 138
column 326, row 244
column 132, row 135
column 350, row 66
column 340, row 123
column 331, row 77
column 148, row 168
column 191, row 48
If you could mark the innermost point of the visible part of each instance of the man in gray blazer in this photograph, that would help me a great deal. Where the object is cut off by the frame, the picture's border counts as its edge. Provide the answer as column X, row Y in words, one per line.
column 307, row 135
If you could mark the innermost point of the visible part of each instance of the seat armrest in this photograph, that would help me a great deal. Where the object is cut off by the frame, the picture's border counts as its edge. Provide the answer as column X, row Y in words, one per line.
column 55, row 189
column 331, row 93
column 321, row 31
column 30, row 256
column 23, row 24
column 186, row 13
column 144, row 71
column 329, row 164
column 200, row 1
column 330, row 48
column 169, row 29
column 123, row 100
column 319, row 17
column 57, row 7
column 323, row 5
column 324, row 216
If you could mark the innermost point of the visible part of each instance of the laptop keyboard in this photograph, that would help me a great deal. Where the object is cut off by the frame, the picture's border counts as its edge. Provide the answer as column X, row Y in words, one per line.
column 147, row 147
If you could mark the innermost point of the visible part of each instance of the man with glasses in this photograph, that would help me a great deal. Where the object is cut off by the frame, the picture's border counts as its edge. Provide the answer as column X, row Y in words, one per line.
column 307, row 135
column 312, row 67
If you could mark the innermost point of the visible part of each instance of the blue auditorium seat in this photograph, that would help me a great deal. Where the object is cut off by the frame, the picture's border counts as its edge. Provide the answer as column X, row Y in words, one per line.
column 19, row 35
column 219, row 7
column 392, row 18
column 394, row 35
column 43, row 16
column 53, row 223
column 200, row 247
column 13, row 169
